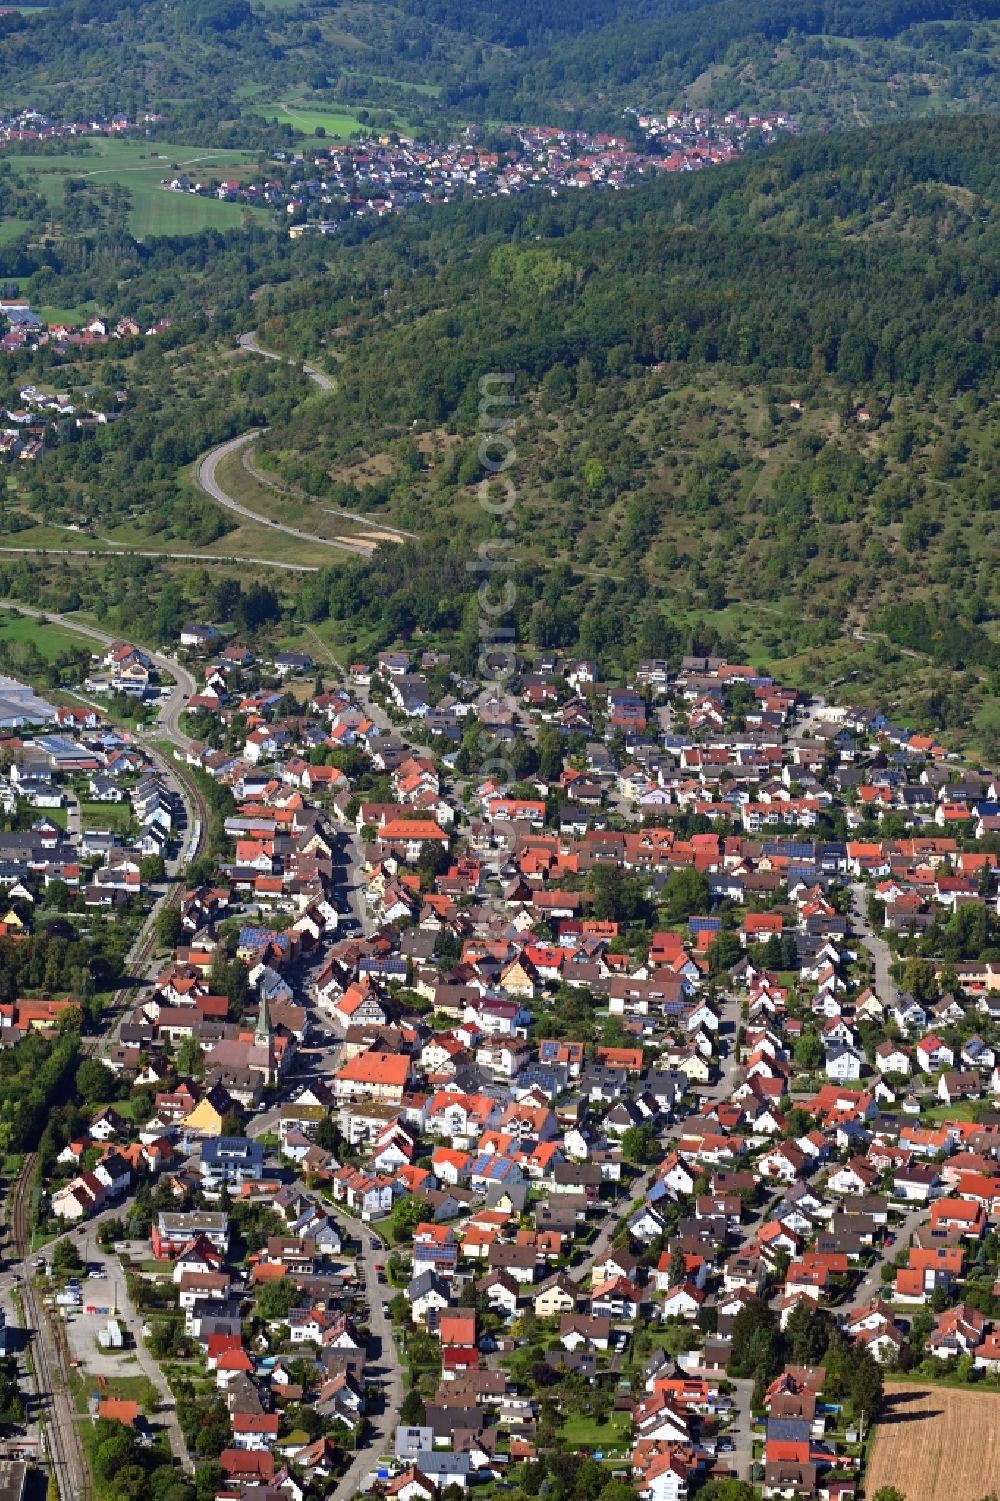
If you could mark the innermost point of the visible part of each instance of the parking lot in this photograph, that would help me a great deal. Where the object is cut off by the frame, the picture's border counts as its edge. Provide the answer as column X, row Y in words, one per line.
column 101, row 1295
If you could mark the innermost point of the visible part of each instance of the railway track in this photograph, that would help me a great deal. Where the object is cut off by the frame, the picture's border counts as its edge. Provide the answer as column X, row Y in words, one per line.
column 61, row 1431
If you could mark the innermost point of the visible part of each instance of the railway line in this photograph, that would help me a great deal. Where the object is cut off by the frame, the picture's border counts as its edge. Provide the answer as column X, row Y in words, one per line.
column 61, row 1442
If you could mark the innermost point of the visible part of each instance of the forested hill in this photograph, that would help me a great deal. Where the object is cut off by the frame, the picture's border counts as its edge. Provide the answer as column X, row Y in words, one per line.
column 722, row 51
column 868, row 257
column 828, row 61
column 771, row 387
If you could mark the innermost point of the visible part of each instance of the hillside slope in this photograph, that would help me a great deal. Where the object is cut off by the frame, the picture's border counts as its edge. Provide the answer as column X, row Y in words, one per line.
column 764, row 398
column 828, row 61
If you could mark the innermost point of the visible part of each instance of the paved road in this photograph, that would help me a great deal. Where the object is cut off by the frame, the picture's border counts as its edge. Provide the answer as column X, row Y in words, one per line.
column 349, row 879
column 741, row 1432
column 873, row 1286
column 885, row 986
column 169, row 667
column 207, row 479
column 384, row 1363
column 248, row 341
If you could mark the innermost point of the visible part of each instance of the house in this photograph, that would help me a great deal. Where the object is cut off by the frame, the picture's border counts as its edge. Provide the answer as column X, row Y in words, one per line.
column 933, row 1054
column 557, row 1297
column 232, row 1160
column 255, row 1430
column 427, row 1294
column 683, row 1302
column 958, row 1331
column 578, row 1331
column 843, row 1063
column 890, row 1058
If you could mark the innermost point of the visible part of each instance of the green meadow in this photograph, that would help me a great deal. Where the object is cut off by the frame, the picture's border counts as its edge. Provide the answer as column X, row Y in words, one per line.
column 140, row 166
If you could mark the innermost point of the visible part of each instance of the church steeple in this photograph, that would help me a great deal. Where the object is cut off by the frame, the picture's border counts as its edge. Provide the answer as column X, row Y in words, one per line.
column 262, row 1031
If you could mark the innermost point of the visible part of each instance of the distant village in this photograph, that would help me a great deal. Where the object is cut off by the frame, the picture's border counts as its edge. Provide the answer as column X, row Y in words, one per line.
column 321, row 189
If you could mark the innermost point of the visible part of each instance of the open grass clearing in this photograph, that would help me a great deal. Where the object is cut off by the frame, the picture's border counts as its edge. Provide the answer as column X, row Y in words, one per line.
column 116, row 817
column 140, row 167
column 586, row 1433
column 337, row 124
column 49, row 639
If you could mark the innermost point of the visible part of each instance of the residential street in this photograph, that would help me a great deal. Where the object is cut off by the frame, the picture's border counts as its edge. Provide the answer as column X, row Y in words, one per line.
column 872, row 1286
column 880, row 951
column 383, row 1363
column 741, row 1432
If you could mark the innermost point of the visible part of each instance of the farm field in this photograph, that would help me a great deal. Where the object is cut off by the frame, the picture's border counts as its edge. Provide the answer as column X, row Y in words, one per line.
column 936, row 1444
column 140, row 166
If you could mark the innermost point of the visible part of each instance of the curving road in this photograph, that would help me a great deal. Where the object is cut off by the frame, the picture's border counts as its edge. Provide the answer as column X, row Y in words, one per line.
column 248, row 341
column 207, row 473
column 206, row 476
column 184, row 682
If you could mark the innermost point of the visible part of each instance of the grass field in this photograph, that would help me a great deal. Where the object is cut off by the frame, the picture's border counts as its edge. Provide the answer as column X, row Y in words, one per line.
column 124, row 1388
column 585, row 1433
column 338, row 124
column 962, row 1110
column 140, row 167
column 935, row 1444
column 79, row 312
column 49, row 639
column 45, row 537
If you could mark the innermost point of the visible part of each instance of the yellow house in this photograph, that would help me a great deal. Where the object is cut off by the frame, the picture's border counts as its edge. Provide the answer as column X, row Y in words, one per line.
column 204, row 1119
column 518, row 979
column 697, row 1070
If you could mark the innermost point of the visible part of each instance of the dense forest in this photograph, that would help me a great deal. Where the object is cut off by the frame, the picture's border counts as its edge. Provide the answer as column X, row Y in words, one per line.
column 828, row 60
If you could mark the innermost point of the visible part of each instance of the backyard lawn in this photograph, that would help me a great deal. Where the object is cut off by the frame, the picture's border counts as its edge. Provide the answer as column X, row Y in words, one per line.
column 116, row 817
column 585, row 1433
